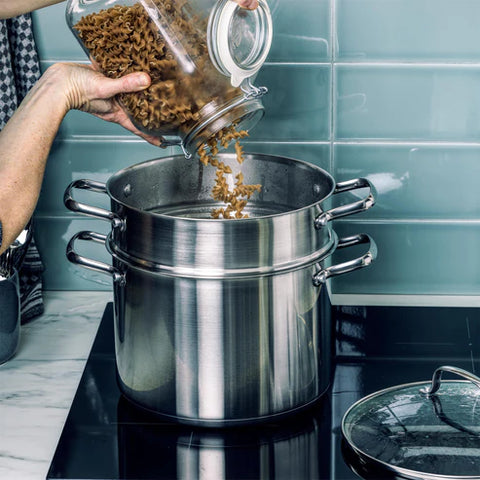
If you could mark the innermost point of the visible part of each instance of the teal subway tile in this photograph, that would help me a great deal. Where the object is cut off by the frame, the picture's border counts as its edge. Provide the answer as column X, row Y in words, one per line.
column 305, row 39
column 408, row 30
column 407, row 102
column 415, row 181
column 52, row 236
column 81, row 123
column 414, row 258
column 318, row 154
column 94, row 159
column 297, row 107
column 300, row 34
column 53, row 38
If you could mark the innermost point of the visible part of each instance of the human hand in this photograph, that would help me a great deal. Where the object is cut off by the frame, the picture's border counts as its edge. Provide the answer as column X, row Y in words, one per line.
column 88, row 90
column 248, row 4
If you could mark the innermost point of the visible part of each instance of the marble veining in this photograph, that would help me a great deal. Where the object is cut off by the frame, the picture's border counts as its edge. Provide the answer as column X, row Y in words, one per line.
column 38, row 384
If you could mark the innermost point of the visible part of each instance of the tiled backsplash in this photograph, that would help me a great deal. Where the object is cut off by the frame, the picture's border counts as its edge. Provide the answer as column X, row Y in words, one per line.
column 385, row 89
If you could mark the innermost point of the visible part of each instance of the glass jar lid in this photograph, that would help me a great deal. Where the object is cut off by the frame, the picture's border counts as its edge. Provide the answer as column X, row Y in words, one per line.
column 419, row 430
column 239, row 40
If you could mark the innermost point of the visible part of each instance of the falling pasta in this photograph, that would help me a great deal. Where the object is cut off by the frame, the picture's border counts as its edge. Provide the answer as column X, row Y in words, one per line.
column 235, row 199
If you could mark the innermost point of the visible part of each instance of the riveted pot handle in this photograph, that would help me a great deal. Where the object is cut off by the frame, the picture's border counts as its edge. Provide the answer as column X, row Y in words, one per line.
column 94, row 265
column 88, row 210
column 437, row 378
column 351, row 208
column 345, row 267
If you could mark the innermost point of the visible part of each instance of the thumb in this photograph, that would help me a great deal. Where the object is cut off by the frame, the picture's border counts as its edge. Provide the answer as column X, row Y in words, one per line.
column 133, row 82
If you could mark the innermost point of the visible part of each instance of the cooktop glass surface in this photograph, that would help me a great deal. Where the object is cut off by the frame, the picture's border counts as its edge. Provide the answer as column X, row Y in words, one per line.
column 106, row 437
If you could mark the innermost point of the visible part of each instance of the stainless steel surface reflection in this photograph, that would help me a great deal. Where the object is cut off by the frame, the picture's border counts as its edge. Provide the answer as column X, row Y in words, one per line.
column 106, row 436
column 284, row 450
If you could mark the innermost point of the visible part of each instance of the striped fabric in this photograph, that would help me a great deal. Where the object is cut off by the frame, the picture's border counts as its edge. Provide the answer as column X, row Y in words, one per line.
column 30, row 277
column 19, row 70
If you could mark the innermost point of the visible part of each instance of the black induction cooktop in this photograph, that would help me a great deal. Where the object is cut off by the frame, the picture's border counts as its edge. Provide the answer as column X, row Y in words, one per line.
column 106, row 437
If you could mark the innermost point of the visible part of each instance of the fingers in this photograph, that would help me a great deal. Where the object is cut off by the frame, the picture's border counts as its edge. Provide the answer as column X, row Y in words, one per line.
column 249, row 4
column 133, row 82
column 157, row 142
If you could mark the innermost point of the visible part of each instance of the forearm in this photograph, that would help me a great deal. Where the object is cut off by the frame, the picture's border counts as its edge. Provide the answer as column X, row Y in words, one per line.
column 12, row 8
column 25, row 143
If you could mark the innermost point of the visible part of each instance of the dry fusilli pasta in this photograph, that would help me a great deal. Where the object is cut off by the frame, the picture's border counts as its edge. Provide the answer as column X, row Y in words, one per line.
column 124, row 39
column 235, row 199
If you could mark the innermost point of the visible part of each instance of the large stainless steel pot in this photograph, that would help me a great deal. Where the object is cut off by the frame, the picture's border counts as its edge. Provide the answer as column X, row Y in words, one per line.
column 220, row 322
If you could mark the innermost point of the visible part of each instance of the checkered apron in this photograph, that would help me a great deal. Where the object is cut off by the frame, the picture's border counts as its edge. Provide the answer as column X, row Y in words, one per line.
column 19, row 70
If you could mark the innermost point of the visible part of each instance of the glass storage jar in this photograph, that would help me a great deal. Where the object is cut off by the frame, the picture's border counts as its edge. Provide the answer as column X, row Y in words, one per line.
column 202, row 56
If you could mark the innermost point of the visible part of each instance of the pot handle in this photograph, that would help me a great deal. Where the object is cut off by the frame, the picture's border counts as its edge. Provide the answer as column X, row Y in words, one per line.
column 94, row 265
column 88, row 210
column 351, row 208
column 364, row 261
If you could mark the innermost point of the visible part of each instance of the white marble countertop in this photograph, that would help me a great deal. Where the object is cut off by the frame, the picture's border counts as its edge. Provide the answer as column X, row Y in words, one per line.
column 38, row 384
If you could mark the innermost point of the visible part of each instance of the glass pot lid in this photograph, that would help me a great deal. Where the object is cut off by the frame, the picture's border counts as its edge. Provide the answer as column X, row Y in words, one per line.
column 239, row 39
column 423, row 430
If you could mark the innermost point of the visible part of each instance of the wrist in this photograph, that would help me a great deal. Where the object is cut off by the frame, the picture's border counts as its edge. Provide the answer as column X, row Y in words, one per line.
column 56, row 85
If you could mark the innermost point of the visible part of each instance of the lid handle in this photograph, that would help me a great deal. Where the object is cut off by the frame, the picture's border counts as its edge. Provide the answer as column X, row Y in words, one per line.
column 437, row 377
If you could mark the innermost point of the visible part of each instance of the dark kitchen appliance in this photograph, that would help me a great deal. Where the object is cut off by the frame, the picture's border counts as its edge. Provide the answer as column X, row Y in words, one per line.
column 105, row 436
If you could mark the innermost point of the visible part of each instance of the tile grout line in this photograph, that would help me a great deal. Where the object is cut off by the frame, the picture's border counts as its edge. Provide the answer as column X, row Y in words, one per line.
column 333, row 113
column 341, row 142
column 379, row 63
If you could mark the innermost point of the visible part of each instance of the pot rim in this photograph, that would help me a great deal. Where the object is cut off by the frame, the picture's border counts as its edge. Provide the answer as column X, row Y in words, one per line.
column 217, row 273
column 236, row 221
